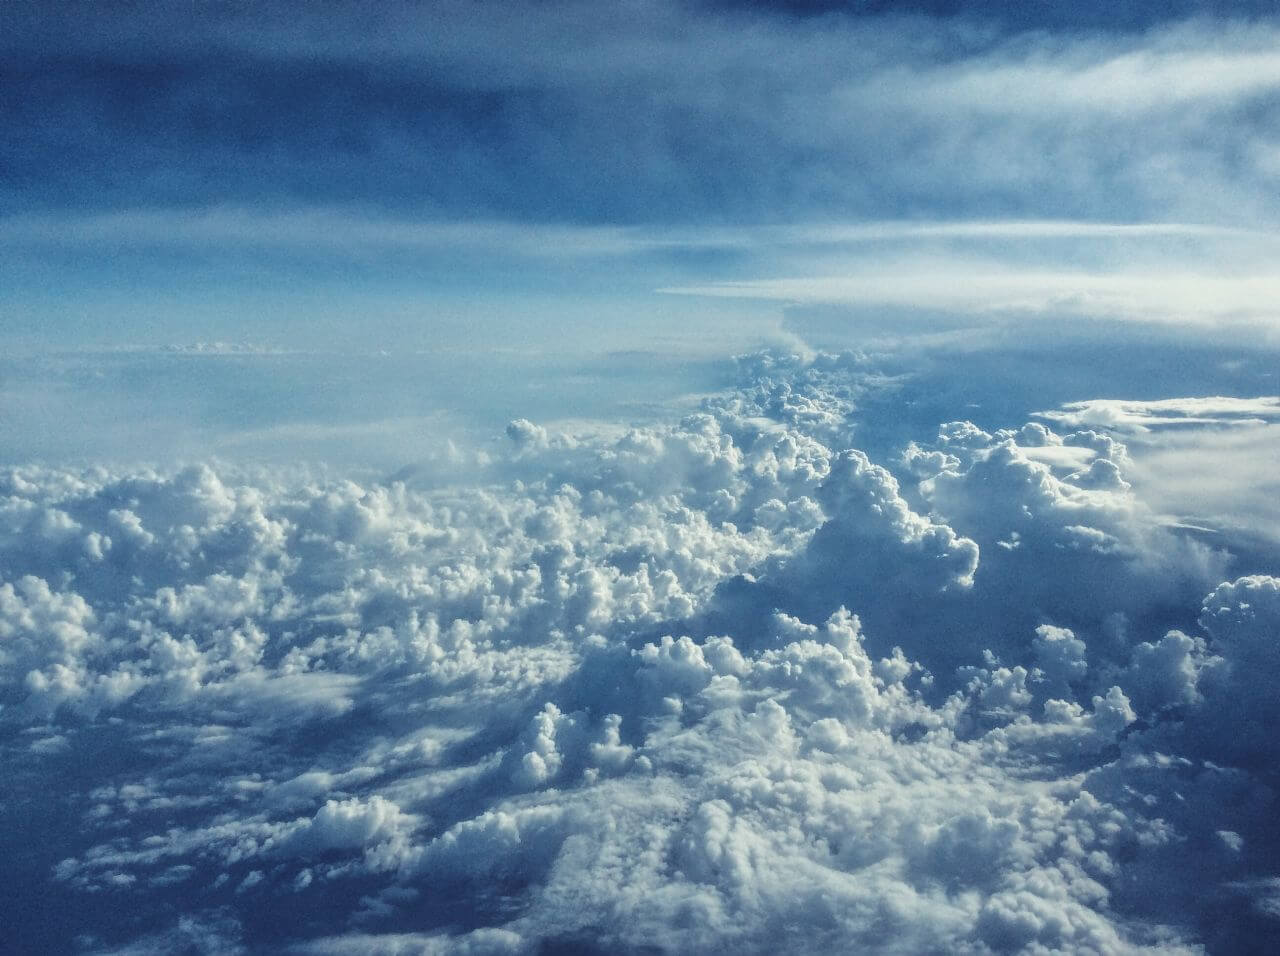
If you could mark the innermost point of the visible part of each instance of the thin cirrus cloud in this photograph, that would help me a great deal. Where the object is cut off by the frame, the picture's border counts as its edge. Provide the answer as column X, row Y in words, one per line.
column 1106, row 83
column 338, row 228
column 1195, row 275
column 996, row 288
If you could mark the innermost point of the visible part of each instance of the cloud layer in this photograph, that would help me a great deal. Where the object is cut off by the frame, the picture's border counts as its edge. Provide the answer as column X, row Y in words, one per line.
column 719, row 684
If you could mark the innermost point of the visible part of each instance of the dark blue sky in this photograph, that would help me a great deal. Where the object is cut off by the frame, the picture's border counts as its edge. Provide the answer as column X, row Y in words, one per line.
column 728, row 112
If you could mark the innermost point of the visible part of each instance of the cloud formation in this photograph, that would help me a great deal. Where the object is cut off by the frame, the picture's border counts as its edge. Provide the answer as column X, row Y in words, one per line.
column 716, row 684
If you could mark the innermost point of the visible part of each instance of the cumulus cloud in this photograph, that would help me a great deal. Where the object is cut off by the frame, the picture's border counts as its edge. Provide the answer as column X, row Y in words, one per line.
column 718, row 684
column 1205, row 461
column 1142, row 415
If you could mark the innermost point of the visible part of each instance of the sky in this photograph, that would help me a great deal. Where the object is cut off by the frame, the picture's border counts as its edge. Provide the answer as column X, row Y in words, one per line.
column 662, row 476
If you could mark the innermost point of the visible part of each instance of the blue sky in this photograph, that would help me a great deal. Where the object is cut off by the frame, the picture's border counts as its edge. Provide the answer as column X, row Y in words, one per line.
column 662, row 476
column 651, row 113
column 290, row 173
column 659, row 178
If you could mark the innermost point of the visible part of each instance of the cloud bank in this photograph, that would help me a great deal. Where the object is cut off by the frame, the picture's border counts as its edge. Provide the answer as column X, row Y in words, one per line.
column 719, row 684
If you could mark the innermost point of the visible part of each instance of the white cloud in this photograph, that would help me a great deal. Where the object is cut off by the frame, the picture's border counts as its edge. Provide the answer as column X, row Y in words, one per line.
column 1142, row 415
column 999, row 289
column 1163, row 78
column 689, row 686
column 1206, row 461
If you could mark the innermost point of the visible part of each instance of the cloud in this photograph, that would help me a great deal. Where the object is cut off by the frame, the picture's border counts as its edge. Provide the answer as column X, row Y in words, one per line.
column 995, row 288
column 1142, row 415
column 1208, row 462
column 1165, row 76
column 720, row 683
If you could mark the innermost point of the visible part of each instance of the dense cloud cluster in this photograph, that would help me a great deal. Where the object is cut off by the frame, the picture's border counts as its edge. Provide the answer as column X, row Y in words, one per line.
column 726, row 684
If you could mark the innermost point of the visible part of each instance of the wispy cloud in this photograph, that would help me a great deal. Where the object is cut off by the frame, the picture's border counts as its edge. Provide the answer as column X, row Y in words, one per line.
column 1094, row 78
column 1143, row 415
column 337, row 229
column 996, row 289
